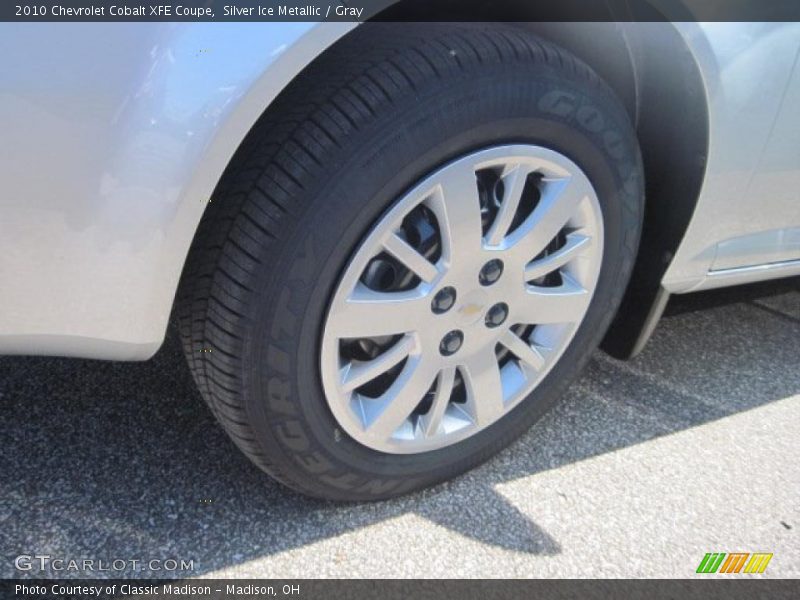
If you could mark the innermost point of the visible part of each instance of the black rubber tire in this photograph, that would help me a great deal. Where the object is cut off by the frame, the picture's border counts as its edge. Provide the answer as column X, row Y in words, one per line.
column 375, row 114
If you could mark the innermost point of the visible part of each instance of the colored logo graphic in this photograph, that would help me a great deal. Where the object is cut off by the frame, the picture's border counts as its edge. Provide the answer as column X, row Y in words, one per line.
column 734, row 562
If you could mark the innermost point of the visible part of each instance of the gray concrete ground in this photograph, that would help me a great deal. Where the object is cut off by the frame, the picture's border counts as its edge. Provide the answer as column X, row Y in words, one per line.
column 644, row 467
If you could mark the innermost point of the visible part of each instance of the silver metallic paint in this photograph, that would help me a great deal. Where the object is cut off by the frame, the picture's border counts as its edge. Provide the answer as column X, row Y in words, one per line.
column 748, row 213
column 113, row 138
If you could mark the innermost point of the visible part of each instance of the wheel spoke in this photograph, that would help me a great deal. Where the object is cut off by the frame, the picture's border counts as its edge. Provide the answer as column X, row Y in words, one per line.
column 529, row 355
column 484, row 387
column 368, row 313
column 430, row 422
column 576, row 244
column 388, row 412
column 566, row 303
column 356, row 375
column 559, row 202
column 413, row 260
column 513, row 184
column 457, row 208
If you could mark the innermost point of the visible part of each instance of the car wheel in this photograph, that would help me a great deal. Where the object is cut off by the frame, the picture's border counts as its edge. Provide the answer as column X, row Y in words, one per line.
column 412, row 254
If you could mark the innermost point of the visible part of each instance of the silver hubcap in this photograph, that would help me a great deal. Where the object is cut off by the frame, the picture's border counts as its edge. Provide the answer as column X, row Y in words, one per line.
column 461, row 299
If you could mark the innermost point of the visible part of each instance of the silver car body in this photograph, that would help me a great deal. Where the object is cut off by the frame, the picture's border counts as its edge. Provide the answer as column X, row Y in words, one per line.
column 113, row 137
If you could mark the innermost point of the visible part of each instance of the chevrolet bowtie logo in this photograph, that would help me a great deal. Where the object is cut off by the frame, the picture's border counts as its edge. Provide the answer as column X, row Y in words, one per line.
column 469, row 310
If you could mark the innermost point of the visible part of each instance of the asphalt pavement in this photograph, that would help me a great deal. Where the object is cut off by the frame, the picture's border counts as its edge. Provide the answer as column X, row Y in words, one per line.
column 645, row 467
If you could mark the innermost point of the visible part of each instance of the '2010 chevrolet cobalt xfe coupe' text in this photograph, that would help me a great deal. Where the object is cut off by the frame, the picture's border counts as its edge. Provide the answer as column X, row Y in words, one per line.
column 388, row 247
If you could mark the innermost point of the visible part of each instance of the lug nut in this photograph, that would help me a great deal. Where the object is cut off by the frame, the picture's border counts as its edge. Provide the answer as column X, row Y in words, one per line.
column 491, row 272
column 497, row 315
column 451, row 342
column 443, row 300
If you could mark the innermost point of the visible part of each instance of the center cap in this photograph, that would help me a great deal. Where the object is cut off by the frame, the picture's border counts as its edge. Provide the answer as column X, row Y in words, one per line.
column 471, row 309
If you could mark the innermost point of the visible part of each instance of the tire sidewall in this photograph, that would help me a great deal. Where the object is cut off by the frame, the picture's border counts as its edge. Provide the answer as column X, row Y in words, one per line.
column 400, row 147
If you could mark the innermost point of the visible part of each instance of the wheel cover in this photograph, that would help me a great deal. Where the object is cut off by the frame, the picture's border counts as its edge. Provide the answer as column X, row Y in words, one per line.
column 461, row 299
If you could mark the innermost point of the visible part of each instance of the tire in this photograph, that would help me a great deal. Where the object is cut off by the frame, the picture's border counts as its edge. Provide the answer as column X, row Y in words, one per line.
column 371, row 117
